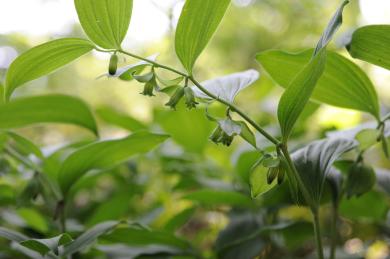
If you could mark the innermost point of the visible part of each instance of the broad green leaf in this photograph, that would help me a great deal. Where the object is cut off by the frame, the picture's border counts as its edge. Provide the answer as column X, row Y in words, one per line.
column 372, row 44
column 34, row 219
column 258, row 180
column 44, row 246
column 12, row 235
column 105, row 22
column 342, row 84
column 179, row 219
column 197, row 24
column 244, row 165
column 104, row 154
column 314, row 162
column 361, row 179
column 135, row 236
column 46, row 109
column 209, row 197
column 298, row 93
column 89, row 237
column 117, row 118
column 227, row 87
column 44, row 59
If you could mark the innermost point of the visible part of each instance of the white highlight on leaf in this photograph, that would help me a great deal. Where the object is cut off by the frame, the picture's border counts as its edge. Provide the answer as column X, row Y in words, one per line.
column 227, row 87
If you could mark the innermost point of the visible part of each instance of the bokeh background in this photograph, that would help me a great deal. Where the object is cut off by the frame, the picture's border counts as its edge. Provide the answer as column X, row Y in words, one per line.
column 250, row 26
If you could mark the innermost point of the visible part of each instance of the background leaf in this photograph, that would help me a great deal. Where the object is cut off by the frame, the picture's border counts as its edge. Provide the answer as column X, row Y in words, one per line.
column 104, row 154
column 49, row 108
column 44, row 59
column 372, row 44
column 198, row 22
column 105, row 22
column 342, row 84
column 209, row 197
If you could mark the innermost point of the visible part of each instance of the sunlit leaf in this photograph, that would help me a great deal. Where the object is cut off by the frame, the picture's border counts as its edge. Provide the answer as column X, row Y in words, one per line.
column 44, row 59
column 44, row 109
column 342, row 84
column 227, row 87
column 116, row 118
column 372, row 44
column 367, row 138
column 314, row 162
column 104, row 154
column 197, row 24
column 105, row 22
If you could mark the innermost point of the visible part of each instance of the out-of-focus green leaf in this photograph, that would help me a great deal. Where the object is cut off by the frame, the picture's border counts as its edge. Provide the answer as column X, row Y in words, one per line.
column 227, row 87
column 383, row 180
column 34, row 219
column 44, row 246
column 181, row 124
column 104, row 154
column 209, row 197
column 361, row 179
column 88, row 237
column 49, row 108
column 179, row 219
column 367, row 138
column 314, row 161
column 197, row 24
column 44, row 59
column 371, row 206
column 244, row 164
column 114, row 117
column 12, row 235
column 133, row 236
column 25, row 146
column 105, row 22
column 372, row 44
column 342, row 84
column 298, row 93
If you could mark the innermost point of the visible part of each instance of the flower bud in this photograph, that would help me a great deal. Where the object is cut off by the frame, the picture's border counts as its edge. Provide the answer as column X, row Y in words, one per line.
column 190, row 98
column 216, row 135
column 149, row 88
column 113, row 64
column 281, row 175
column 226, row 139
column 272, row 174
column 175, row 98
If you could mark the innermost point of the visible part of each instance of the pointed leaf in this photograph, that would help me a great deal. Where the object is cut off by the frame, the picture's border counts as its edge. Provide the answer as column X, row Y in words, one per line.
column 372, row 44
column 314, row 161
column 258, row 180
column 43, row 60
column 197, row 24
column 227, row 87
column 342, row 84
column 89, row 237
column 104, row 154
column 46, row 109
column 105, row 22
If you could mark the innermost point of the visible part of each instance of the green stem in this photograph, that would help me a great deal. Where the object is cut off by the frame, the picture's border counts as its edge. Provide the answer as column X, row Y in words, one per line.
column 334, row 235
column 317, row 233
column 204, row 90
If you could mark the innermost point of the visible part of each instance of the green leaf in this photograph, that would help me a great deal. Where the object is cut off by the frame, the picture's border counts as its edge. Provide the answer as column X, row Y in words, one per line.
column 12, row 235
column 25, row 146
column 227, row 87
column 105, row 22
column 367, row 138
column 314, row 162
column 135, row 236
column 372, row 44
column 197, row 24
column 209, row 197
column 342, row 84
column 114, row 117
column 179, row 219
column 298, row 93
column 89, row 237
column 44, row 246
column 258, row 180
column 44, row 59
column 104, row 154
column 49, row 108
column 361, row 179
column 34, row 219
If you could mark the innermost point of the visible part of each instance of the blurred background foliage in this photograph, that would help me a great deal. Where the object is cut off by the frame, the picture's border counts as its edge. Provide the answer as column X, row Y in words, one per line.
column 157, row 189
